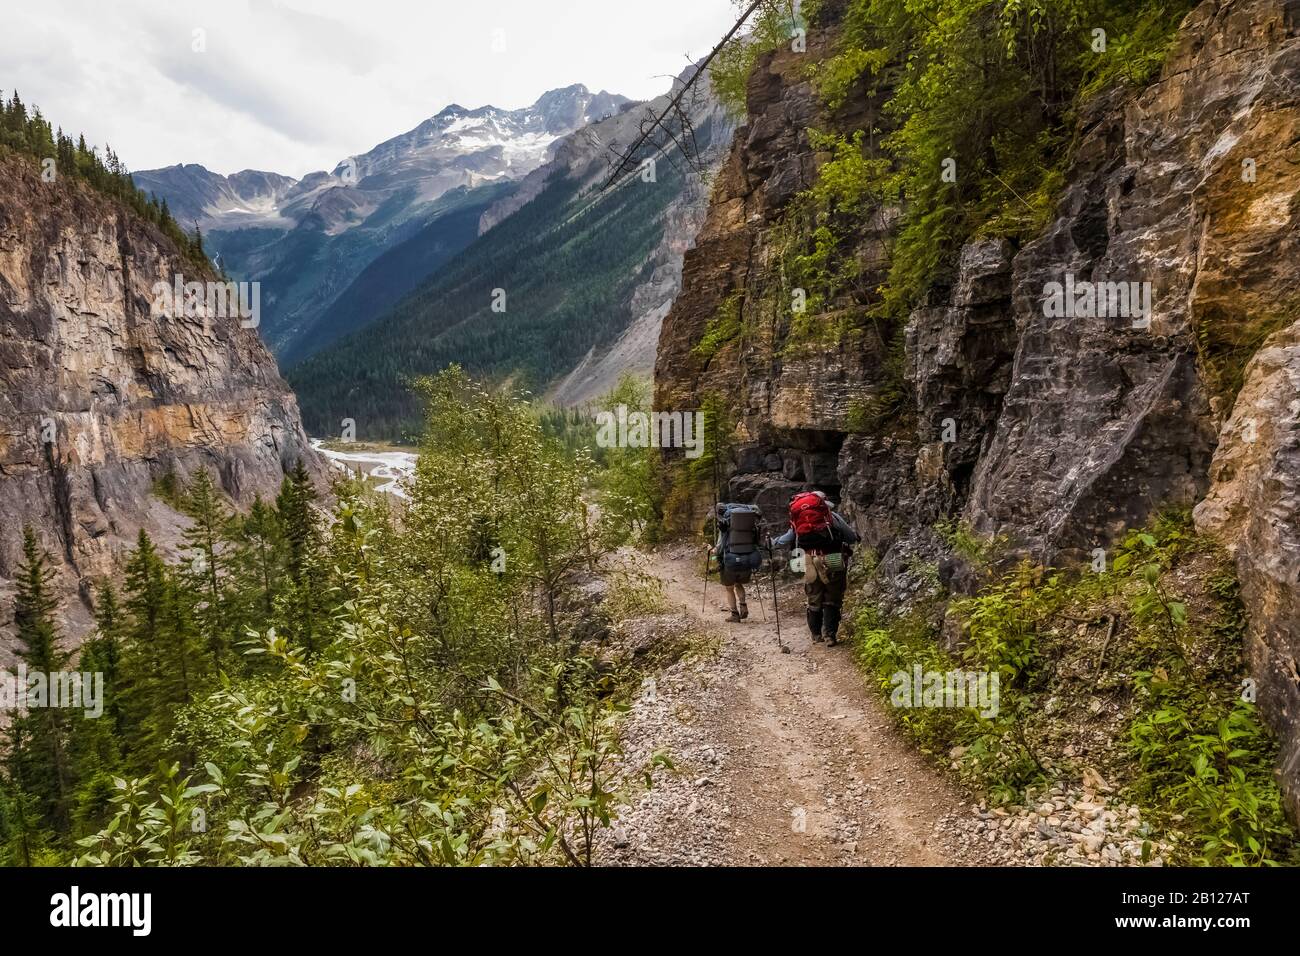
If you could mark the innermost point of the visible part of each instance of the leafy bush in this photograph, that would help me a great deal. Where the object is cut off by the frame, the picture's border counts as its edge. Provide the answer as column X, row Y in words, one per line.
column 405, row 685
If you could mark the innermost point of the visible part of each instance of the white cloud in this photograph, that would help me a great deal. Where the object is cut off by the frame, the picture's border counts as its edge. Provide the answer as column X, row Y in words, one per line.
column 296, row 85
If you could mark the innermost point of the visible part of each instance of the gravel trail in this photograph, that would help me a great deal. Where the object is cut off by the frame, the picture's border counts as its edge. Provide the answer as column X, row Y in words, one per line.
column 780, row 759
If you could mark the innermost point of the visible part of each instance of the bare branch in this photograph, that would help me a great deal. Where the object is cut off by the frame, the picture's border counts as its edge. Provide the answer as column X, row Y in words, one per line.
column 674, row 121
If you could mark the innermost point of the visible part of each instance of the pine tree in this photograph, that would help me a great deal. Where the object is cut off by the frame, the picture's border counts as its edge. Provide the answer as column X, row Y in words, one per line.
column 161, row 656
column 22, row 835
column 44, row 759
column 205, row 576
column 96, row 754
column 105, row 648
column 303, row 595
column 260, row 560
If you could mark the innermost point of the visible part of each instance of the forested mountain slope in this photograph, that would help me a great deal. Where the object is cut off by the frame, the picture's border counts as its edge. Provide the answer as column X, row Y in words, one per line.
column 557, row 280
column 307, row 240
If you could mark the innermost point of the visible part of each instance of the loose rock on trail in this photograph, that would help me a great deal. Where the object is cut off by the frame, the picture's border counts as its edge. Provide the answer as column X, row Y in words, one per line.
column 780, row 759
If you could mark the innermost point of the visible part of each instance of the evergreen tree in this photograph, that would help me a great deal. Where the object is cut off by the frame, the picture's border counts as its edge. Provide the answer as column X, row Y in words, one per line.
column 259, row 562
column 44, row 758
column 205, row 576
column 96, row 755
column 104, row 650
column 303, row 594
column 22, row 836
column 161, row 656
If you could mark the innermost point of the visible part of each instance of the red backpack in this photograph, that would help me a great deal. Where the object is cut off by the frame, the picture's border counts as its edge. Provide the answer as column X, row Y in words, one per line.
column 810, row 514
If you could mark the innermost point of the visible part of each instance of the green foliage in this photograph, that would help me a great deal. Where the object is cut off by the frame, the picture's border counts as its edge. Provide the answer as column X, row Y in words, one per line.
column 724, row 327
column 627, row 483
column 994, row 754
column 1207, row 758
column 408, row 687
column 1188, row 747
column 984, row 89
column 975, row 548
column 1138, row 40
column 710, row 467
column 772, row 25
column 1204, row 754
column 38, row 751
column 168, row 489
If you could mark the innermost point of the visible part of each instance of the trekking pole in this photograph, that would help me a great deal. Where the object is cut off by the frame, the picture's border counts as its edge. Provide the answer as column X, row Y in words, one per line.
column 705, row 596
column 776, row 603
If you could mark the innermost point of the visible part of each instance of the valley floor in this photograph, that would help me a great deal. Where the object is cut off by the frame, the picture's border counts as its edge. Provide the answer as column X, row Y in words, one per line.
column 780, row 759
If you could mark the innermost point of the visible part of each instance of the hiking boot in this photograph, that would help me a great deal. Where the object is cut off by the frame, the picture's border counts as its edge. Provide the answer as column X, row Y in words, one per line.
column 744, row 612
column 815, row 624
column 831, row 616
column 734, row 618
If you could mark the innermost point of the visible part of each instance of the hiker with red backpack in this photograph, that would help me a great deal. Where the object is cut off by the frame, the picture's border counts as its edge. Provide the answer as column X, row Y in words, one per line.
column 738, row 554
column 826, row 540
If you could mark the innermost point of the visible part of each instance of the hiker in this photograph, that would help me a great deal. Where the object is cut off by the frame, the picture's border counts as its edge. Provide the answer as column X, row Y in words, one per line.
column 826, row 540
column 738, row 554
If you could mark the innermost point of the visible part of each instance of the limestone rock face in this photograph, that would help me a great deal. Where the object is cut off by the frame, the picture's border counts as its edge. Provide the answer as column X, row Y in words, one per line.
column 1106, row 418
column 1254, row 506
column 959, row 363
column 100, row 395
column 1057, row 432
column 792, row 405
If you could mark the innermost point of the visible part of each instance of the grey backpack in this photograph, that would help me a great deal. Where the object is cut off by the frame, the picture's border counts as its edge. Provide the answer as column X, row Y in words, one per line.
column 741, row 544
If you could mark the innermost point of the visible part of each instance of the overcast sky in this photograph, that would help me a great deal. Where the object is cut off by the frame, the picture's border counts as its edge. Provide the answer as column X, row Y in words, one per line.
column 297, row 85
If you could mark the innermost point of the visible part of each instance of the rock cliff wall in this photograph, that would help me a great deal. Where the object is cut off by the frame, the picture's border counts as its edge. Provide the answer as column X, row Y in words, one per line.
column 1057, row 433
column 100, row 395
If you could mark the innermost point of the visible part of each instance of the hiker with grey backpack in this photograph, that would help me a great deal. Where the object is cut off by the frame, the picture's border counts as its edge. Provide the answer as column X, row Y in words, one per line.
column 826, row 541
column 738, row 554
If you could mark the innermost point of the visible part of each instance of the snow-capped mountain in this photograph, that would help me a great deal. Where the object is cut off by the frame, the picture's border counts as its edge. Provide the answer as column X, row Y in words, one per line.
column 456, row 147
column 307, row 240
column 460, row 146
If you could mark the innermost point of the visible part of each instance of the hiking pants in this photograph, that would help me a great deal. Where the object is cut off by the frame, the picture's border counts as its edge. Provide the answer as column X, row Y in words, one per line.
column 824, row 589
column 823, row 586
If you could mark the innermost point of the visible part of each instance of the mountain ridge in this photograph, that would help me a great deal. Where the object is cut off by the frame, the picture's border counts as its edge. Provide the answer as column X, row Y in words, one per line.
column 308, row 240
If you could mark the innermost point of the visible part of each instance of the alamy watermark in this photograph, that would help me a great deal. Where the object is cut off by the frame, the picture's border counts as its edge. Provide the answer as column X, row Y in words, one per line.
column 622, row 428
column 74, row 908
column 217, row 300
column 27, row 690
column 1098, row 300
column 978, row 690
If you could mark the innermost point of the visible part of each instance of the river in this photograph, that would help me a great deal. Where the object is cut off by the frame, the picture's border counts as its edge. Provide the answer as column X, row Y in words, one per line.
column 395, row 466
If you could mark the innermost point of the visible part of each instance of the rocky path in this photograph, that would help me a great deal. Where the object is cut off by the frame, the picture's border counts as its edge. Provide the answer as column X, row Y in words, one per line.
column 778, row 758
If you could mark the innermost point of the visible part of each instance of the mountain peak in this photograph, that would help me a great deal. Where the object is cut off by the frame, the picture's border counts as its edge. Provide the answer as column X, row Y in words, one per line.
column 571, row 107
column 573, row 89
